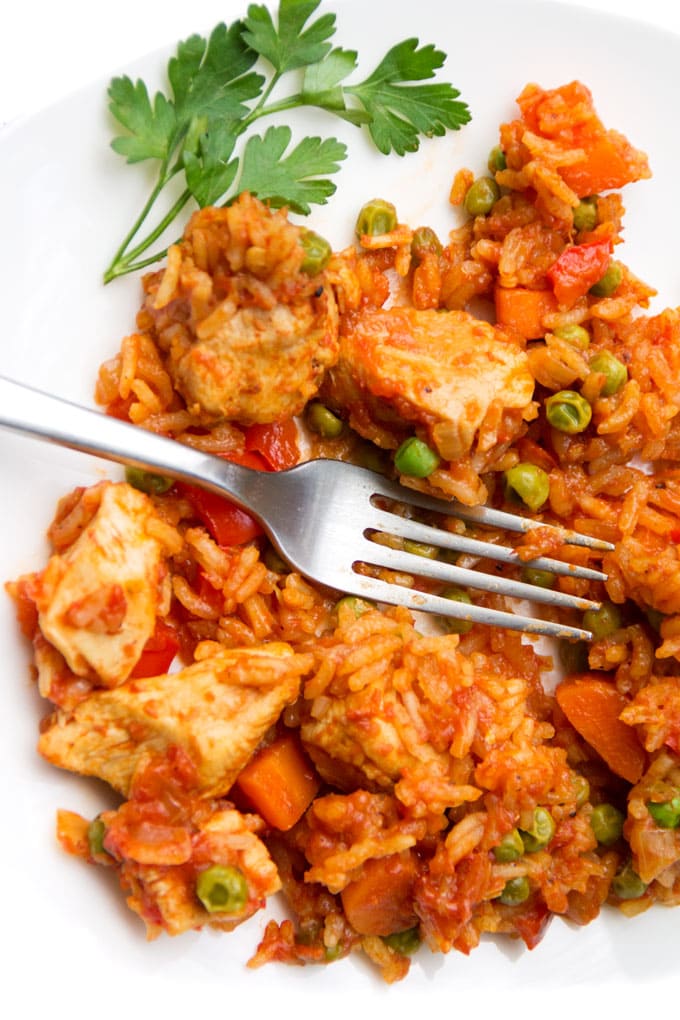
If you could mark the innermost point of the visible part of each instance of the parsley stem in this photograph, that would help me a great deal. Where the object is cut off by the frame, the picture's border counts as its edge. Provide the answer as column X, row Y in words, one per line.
column 119, row 257
column 132, row 267
column 124, row 262
column 290, row 103
column 161, row 226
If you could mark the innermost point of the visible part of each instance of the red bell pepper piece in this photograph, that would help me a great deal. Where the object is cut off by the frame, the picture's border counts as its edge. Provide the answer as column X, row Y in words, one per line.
column 577, row 269
column 277, row 443
column 158, row 652
column 227, row 523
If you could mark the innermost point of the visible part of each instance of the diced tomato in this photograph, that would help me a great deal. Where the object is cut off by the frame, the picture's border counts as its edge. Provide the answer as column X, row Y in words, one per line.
column 250, row 459
column 674, row 535
column 277, row 443
column 226, row 522
column 158, row 652
column 578, row 268
column 120, row 408
column 26, row 609
column 532, row 921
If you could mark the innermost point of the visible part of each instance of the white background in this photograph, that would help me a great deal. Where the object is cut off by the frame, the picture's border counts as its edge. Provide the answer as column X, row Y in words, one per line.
column 48, row 48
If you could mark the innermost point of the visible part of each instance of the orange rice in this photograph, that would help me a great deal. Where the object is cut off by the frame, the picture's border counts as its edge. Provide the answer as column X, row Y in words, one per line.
column 430, row 749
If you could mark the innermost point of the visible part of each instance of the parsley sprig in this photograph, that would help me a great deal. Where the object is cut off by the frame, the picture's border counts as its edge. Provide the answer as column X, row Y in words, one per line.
column 221, row 86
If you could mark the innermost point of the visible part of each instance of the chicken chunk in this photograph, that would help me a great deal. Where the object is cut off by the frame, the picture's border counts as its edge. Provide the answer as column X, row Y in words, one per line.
column 451, row 376
column 165, row 838
column 98, row 599
column 388, row 703
column 165, row 900
column 248, row 333
column 217, row 710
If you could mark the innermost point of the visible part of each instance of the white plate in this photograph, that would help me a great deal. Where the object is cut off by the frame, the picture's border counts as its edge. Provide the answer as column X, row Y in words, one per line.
column 68, row 944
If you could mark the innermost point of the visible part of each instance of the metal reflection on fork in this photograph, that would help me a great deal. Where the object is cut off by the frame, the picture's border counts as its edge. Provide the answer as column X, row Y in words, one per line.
column 321, row 514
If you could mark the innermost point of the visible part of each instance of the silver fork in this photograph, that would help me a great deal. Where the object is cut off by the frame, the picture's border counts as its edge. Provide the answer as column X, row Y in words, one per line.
column 320, row 515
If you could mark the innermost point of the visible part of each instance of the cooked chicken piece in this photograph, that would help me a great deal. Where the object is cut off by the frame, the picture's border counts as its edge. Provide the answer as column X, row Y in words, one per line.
column 453, row 377
column 248, row 333
column 217, row 710
column 388, row 703
column 158, row 863
column 98, row 599
column 165, row 898
column 655, row 847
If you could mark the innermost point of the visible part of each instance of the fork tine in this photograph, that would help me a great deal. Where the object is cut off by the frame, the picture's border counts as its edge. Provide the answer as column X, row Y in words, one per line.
column 411, row 563
column 484, row 515
column 383, row 520
column 394, row 594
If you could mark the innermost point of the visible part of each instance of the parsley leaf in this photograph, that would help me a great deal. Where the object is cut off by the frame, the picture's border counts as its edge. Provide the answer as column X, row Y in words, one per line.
column 209, row 76
column 296, row 179
column 151, row 127
column 287, row 46
column 401, row 112
column 216, row 94
column 210, row 171
column 321, row 85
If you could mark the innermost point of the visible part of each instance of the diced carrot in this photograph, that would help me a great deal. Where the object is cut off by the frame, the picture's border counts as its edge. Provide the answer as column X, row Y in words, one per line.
column 610, row 162
column 593, row 706
column 380, row 900
column 522, row 310
column 280, row 782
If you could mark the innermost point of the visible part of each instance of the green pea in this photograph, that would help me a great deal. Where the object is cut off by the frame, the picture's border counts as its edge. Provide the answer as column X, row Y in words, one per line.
column 317, row 253
column 585, row 213
column 353, row 604
column 608, row 283
column 529, row 482
column 415, row 458
column 331, row 953
column 627, row 884
column 481, row 196
column 516, row 891
column 274, row 562
column 96, row 831
column 147, row 481
column 541, row 832
column 615, row 372
column 606, row 822
column 573, row 656
column 510, row 848
column 567, row 411
column 602, row 622
column 654, row 618
column 424, row 242
column 222, row 889
column 370, row 456
column 497, row 160
column 322, row 421
column 665, row 814
column 430, row 552
column 404, row 942
column 308, row 933
column 574, row 334
column 453, row 625
column 376, row 217
column 449, row 555
column 539, row 578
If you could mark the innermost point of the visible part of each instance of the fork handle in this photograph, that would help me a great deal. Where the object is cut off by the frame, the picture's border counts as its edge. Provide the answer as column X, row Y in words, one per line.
column 42, row 416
